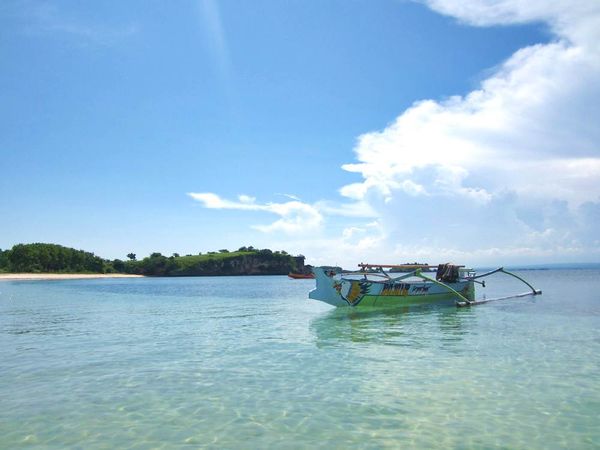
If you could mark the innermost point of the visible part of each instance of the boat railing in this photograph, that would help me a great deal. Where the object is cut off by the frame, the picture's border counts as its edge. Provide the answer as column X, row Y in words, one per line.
column 382, row 274
column 365, row 274
column 405, row 271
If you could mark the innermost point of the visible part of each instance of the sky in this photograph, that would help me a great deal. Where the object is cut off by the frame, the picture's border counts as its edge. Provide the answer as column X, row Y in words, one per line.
column 348, row 131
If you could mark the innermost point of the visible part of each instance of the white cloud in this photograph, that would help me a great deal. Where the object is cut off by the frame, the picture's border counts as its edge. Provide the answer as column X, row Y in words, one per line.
column 246, row 199
column 355, row 209
column 537, row 109
column 564, row 16
column 213, row 201
column 296, row 217
column 509, row 172
column 215, row 40
column 291, row 196
column 349, row 232
column 43, row 19
column 215, row 34
column 493, row 164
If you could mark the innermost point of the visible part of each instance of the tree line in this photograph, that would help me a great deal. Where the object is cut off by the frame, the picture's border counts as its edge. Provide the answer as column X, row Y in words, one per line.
column 53, row 258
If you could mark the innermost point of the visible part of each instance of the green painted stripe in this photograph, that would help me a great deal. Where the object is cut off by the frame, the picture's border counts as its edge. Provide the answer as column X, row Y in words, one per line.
column 407, row 300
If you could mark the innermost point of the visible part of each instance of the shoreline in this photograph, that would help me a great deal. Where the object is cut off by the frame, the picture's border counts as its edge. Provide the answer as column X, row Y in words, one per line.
column 61, row 276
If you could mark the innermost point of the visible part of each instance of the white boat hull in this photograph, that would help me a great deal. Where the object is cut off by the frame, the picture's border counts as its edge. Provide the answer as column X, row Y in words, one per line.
column 365, row 291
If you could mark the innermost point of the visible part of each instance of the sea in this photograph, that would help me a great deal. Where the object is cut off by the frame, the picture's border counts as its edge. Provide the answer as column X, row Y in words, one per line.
column 251, row 362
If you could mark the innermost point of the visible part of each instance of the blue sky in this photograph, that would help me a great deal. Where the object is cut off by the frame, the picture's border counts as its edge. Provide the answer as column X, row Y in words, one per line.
column 352, row 130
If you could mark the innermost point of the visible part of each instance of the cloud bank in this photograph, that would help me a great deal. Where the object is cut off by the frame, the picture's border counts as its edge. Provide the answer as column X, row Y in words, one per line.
column 512, row 168
column 509, row 171
column 532, row 120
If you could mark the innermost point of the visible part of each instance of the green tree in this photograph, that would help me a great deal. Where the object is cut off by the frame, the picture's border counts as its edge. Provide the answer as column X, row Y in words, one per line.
column 118, row 265
column 3, row 260
column 41, row 257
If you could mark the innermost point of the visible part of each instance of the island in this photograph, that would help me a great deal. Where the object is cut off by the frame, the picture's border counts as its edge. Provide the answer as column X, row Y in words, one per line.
column 41, row 258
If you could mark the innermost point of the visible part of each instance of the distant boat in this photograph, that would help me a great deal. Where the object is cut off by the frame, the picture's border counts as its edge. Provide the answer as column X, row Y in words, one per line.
column 301, row 276
column 373, row 286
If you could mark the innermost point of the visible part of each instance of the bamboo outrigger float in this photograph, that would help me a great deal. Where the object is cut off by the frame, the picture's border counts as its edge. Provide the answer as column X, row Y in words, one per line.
column 407, row 285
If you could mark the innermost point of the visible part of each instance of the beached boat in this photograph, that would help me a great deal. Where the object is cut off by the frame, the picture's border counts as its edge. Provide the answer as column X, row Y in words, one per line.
column 301, row 276
column 372, row 285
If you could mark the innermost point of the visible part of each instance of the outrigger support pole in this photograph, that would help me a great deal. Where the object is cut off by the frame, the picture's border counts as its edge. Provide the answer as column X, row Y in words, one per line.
column 534, row 291
column 455, row 292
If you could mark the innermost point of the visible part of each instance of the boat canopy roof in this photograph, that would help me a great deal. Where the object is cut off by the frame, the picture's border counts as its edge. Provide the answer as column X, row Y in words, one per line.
column 400, row 266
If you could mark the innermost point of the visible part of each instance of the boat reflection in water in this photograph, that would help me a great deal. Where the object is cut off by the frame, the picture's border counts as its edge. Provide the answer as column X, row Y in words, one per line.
column 402, row 326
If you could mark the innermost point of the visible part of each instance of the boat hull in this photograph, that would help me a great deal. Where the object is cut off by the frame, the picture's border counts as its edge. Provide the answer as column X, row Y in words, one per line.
column 301, row 276
column 370, row 293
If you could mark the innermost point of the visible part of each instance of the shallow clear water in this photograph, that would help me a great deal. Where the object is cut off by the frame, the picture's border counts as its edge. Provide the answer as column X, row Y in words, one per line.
column 249, row 362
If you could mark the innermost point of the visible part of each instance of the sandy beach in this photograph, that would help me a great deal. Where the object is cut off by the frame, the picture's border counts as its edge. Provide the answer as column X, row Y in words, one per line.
column 61, row 276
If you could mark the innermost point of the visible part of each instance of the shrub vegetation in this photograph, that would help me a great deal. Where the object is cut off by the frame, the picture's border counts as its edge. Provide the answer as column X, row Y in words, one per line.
column 52, row 258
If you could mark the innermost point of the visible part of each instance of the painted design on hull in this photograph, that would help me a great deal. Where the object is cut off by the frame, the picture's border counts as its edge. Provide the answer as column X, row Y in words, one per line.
column 340, row 289
column 411, row 294
column 354, row 291
column 421, row 290
column 395, row 289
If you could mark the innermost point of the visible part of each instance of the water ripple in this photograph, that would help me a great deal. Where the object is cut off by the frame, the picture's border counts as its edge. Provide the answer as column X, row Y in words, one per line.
column 251, row 363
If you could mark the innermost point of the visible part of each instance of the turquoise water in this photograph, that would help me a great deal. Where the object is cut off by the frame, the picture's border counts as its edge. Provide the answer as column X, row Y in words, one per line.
column 249, row 362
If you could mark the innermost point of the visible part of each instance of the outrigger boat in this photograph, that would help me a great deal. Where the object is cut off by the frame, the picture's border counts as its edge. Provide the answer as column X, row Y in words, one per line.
column 371, row 285
column 301, row 276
